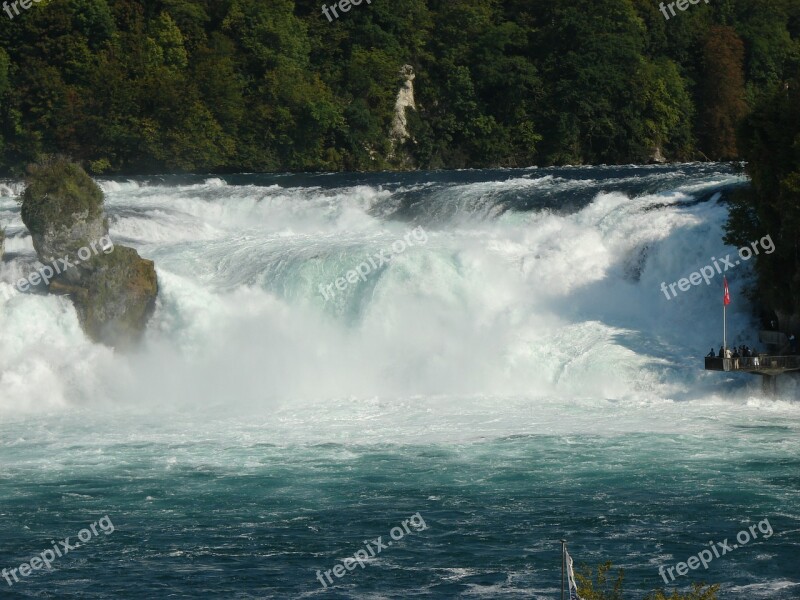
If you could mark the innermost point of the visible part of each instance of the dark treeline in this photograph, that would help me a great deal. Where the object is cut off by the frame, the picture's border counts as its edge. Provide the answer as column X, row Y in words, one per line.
column 770, row 141
column 265, row 85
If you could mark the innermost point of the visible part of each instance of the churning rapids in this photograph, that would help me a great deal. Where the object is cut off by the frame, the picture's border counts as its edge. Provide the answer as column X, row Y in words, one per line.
column 516, row 375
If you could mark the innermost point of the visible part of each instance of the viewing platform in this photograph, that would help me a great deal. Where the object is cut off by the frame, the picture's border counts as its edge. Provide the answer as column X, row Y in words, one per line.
column 769, row 367
column 775, row 362
column 757, row 365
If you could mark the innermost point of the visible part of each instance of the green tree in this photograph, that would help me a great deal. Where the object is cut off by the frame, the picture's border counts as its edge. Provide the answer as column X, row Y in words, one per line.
column 770, row 139
column 602, row 584
column 664, row 109
column 592, row 54
column 724, row 104
column 141, row 86
column 698, row 592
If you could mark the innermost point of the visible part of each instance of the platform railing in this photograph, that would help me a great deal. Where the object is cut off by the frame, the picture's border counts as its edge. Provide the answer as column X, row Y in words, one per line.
column 762, row 362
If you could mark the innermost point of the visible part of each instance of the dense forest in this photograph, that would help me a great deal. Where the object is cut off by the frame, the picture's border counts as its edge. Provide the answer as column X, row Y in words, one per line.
column 129, row 86
column 770, row 141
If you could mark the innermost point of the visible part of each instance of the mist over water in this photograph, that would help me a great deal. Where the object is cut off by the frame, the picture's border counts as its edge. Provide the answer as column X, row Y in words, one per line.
column 527, row 337
column 529, row 283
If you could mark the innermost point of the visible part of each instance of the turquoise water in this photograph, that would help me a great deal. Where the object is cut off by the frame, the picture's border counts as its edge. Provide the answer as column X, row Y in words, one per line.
column 199, row 515
column 517, row 379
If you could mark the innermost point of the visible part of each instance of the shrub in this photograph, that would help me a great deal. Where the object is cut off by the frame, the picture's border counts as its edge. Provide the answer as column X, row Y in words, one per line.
column 598, row 586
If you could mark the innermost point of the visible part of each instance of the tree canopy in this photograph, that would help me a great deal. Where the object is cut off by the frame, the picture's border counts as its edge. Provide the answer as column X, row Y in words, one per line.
column 263, row 85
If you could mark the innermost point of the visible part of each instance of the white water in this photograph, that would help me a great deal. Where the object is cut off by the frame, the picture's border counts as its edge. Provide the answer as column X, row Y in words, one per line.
column 501, row 323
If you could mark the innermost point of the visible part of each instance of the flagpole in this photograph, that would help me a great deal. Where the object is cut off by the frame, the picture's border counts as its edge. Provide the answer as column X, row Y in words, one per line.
column 725, row 301
column 563, row 558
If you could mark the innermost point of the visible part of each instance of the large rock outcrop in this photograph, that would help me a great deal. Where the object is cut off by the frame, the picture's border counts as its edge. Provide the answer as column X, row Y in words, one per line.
column 113, row 288
column 405, row 100
column 399, row 134
column 657, row 156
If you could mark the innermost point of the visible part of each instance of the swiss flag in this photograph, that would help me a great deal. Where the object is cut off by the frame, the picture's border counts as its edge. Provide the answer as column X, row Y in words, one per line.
column 726, row 298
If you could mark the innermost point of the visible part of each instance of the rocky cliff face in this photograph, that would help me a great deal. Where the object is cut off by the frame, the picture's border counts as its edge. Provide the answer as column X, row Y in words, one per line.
column 405, row 100
column 657, row 156
column 113, row 288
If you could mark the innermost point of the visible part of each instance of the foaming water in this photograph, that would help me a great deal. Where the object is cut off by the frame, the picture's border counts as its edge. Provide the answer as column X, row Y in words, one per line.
column 506, row 296
column 516, row 375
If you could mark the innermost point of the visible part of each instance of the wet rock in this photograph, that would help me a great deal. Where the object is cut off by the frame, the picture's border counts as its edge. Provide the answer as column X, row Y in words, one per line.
column 113, row 289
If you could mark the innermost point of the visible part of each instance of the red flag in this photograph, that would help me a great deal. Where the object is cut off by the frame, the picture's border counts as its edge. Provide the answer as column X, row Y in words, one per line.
column 726, row 298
